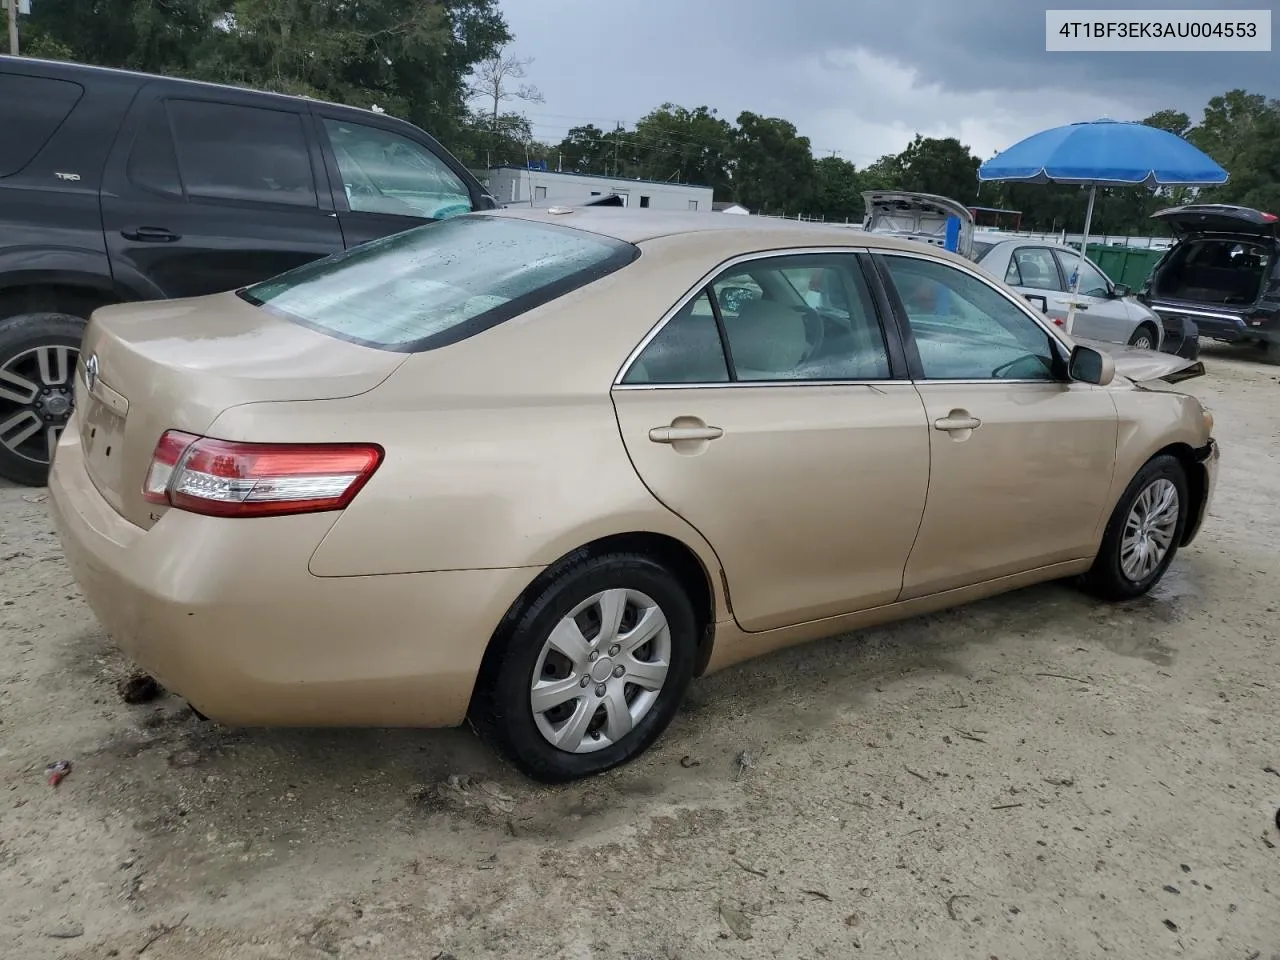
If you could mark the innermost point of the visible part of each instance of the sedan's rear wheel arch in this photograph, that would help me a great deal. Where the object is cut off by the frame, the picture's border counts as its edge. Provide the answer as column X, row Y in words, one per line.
column 677, row 557
column 572, row 634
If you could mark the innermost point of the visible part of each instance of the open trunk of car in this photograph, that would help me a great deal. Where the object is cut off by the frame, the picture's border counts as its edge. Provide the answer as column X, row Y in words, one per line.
column 1224, row 256
column 917, row 216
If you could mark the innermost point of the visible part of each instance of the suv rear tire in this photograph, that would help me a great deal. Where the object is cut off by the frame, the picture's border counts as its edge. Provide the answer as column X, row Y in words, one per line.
column 38, row 355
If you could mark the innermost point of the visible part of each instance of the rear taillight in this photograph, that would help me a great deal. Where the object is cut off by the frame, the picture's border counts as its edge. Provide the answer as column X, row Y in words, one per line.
column 224, row 479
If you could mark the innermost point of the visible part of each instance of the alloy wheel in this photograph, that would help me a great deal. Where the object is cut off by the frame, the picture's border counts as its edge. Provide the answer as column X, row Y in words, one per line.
column 36, row 399
column 1149, row 529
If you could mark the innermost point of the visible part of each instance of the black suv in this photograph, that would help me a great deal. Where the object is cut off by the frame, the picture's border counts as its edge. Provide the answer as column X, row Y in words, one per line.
column 119, row 186
column 1223, row 272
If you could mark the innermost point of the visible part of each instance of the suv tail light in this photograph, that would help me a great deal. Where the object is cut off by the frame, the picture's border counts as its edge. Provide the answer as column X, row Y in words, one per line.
column 220, row 478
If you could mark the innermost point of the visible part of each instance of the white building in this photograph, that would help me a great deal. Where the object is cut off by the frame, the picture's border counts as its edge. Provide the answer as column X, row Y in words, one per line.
column 517, row 185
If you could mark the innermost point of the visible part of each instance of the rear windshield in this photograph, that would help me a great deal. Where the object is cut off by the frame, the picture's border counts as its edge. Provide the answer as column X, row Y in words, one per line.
column 440, row 283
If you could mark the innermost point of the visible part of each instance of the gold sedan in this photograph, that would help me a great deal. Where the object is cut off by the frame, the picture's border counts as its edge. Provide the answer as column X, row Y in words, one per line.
column 542, row 468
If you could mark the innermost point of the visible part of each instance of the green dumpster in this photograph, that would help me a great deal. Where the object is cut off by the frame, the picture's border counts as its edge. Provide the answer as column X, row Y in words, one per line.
column 1128, row 265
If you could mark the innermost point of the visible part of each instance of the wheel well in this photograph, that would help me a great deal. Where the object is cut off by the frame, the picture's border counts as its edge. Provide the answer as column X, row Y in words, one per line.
column 1155, row 333
column 682, row 562
column 51, row 298
column 1196, row 481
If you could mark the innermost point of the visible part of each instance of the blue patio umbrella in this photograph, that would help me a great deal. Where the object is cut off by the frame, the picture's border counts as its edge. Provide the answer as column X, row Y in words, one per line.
column 1103, row 153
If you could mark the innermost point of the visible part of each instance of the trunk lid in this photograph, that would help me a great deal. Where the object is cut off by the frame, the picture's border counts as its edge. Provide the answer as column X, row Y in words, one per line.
column 917, row 216
column 1144, row 366
column 177, row 364
column 1215, row 218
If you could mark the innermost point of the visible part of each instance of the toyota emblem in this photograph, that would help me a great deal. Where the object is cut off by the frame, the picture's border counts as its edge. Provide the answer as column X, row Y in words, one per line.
column 91, row 372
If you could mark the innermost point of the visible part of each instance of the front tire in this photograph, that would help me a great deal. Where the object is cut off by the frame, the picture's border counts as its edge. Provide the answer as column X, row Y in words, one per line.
column 1143, row 533
column 38, row 354
column 588, row 672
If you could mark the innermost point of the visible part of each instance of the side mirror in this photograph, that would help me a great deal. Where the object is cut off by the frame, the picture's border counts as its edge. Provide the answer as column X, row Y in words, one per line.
column 1121, row 290
column 1088, row 365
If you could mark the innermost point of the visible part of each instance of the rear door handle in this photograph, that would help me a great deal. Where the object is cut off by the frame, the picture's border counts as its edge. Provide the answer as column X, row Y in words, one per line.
column 957, row 421
column 150, row 235
column 679, row 434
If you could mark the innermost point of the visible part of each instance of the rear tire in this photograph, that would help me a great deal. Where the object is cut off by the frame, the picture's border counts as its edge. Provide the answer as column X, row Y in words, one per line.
column 38, row 354
column 1143, row 533
column 595, row 715
column 1270, row 351
column 1144, row 337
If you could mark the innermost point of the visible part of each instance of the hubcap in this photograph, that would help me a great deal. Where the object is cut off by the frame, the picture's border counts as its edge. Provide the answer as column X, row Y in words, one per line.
column 1148, row 531
column 36, row 397
column 1143, row 342
column 600, row 671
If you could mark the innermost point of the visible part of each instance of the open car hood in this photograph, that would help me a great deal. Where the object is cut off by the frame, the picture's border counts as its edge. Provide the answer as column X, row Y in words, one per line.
column 1144, row 366
column 916, row 216
column 1218, row 218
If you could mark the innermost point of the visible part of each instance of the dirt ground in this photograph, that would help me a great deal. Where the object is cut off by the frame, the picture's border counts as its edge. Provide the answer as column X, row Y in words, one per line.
column 1035, row 776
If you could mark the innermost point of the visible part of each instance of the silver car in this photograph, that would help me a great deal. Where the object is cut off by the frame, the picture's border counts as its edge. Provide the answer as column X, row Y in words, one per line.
column 1039, row 270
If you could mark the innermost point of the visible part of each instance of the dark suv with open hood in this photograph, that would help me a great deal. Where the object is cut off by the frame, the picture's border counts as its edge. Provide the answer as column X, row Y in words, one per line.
column 1223, row 272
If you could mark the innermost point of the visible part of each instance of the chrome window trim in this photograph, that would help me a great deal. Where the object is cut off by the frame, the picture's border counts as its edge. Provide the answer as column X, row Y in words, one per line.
column 875, row 384
column 702, row 284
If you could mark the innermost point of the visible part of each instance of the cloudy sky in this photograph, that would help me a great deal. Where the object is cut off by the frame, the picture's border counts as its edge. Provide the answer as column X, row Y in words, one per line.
column 859, row 77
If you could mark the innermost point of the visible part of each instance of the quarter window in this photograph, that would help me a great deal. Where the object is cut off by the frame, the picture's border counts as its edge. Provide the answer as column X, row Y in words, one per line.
column 808, row 317
column 1033, row 267
column 965, row 329
column 31, row 109
column 686, row 350
column 383, row 172
column 233, row 152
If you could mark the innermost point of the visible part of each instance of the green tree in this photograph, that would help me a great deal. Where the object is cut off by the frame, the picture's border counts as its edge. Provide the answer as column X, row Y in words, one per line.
column 585, row 149
column 941, row 166
column 411, row 58
column 773, row 167
column 1175, row 121
column 684, row 146
column 838, row 187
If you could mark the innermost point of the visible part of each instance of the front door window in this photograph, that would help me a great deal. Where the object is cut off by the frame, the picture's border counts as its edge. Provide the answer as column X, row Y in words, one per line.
column 383, row 172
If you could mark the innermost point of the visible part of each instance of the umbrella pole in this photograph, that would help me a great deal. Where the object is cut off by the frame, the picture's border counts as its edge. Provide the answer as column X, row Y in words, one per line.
column 1084, row 247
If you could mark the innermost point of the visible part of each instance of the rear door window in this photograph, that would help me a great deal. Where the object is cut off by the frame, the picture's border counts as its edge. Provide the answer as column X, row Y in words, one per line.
column 153, row 164
column 1033, row 267
column 31, row 109
column 235, row 152
column 440, row 283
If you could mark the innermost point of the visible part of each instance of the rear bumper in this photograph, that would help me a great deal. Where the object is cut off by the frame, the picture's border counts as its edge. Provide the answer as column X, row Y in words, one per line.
column 1208, row 457
column 224, row 613
column 1227, row 327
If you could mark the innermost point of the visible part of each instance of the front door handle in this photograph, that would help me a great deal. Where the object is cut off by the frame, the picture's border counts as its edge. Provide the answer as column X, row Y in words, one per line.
column 957, row 420
column 674, row 434
column 150, row 235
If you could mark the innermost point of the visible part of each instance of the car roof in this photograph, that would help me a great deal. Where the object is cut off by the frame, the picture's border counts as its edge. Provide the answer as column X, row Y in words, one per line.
column 71, row 70
column 640, row 226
